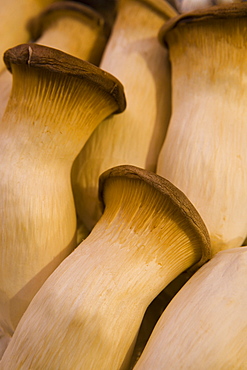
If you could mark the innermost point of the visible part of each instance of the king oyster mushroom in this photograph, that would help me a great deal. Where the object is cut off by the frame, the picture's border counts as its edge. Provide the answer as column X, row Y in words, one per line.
column 204, row 153
column 43, row 129
column 88, row 312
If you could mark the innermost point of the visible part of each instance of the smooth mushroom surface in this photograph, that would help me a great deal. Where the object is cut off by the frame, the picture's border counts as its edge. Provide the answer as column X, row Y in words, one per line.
column 204, row 153
column 88, row 312
column 43, row 129
column 205, row 325
column 134, row 55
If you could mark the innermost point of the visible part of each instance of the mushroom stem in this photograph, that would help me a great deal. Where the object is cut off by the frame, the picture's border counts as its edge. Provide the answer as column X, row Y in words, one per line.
column 88, row 312
column 204, row 153
column 134, row 55
column 43, row 129
column 205, row 324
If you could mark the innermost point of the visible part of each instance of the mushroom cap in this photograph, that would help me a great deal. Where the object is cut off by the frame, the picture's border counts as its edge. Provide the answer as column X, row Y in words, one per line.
column 169, row 191
column 226, row 11
column 59, row 9
column 56, row 61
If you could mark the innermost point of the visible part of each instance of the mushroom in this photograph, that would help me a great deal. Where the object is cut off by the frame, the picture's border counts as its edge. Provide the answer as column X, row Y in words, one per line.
column 68, row 26
column 43, row 129
column 205, row 325
column 204, row 153
column 134, row 55
column 14, row 16
column 88, row 312
column 72, row 27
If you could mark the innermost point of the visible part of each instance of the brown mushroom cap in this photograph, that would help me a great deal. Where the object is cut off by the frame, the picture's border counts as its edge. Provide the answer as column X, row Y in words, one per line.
column 171, row 193
column 227, row 11
column 38, row 24
column 56, row 61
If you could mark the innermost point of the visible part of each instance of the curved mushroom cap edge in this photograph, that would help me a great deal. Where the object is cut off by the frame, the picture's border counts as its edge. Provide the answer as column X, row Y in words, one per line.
column 176, row 196
column 226, row 11
column 56, row 61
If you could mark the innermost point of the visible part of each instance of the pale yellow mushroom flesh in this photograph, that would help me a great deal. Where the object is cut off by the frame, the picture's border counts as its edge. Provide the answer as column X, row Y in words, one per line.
column 88, row 312
column 56, row 102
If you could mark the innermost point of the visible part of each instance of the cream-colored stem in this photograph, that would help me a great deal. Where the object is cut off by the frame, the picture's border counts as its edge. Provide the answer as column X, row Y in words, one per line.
column 33, row 234
column 204, row 153
column 205, row 325
column 134, row 55
column 41, row 133
column 14, row 16
column 87, row 314
column 38, row 228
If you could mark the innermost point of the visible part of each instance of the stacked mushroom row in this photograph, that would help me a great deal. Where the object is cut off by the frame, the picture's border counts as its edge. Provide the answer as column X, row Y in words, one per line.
column 123, row 180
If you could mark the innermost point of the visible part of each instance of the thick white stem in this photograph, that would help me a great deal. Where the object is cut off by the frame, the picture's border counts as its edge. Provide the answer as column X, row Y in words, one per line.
column 43, row 129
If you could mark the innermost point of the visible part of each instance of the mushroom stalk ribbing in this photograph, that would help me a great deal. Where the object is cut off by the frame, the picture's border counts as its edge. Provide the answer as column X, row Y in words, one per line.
column 93, row 303
column 42, row 131
column 204, row 153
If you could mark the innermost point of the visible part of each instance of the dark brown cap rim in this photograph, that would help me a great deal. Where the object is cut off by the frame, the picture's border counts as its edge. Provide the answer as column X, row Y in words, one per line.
column 177, row 197
column 227, row 11
column 56, row 61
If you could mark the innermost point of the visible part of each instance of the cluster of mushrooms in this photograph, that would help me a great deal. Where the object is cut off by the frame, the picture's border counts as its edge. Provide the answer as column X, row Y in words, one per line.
column 123, row 185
